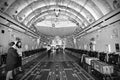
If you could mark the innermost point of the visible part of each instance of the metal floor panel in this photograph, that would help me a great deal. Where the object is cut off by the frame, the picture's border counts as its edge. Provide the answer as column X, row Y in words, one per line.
column 51, row 69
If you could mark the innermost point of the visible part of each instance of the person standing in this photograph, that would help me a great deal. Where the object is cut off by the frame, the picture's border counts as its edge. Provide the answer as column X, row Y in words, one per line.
column 19, row 51
column 48, row 50
column 11, row 61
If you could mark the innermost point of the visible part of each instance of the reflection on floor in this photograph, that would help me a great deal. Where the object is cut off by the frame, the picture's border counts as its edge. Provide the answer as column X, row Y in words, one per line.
column 55, row 67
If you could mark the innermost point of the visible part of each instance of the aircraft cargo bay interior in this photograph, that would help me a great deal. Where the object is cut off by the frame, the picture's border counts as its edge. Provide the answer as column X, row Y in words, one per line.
column 59, row 39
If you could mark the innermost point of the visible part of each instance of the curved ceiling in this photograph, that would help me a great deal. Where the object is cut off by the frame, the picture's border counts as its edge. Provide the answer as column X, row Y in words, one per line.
column 79, row 14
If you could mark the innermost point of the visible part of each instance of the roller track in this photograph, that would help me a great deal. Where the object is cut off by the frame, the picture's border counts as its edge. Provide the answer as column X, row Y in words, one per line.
column 56, row 68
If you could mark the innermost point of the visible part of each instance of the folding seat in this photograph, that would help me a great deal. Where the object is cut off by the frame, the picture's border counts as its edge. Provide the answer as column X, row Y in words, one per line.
column 102, row 56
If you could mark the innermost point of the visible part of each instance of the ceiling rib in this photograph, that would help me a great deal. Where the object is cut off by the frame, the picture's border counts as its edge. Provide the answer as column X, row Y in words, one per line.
column 76, row 8
column 91, row 7
column 40, row 14
column 46, row 3
column 83, row 6
column 37, row 13
column 70, row 10
column 103, row 6
column 9, row 19
column 59, row 1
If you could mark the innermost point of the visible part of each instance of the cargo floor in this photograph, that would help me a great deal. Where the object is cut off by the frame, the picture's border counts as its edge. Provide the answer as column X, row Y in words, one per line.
column 55, row 67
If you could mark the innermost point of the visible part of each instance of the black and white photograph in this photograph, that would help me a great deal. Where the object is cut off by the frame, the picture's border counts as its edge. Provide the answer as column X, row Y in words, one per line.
column 59, row 39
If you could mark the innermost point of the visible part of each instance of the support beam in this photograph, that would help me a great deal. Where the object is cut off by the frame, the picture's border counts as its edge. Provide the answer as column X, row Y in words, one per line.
column 8, row 19
column 105, row 20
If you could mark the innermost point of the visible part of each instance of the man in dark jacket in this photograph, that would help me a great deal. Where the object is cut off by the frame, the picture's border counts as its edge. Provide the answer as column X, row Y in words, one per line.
column 11, row 61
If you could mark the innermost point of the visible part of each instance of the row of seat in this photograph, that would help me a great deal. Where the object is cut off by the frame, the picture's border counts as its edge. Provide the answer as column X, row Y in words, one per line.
column 31, row 52
column 97, row 63
column 110, row 58
column 25, row 54
column 3, row 59
column 100, row 64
